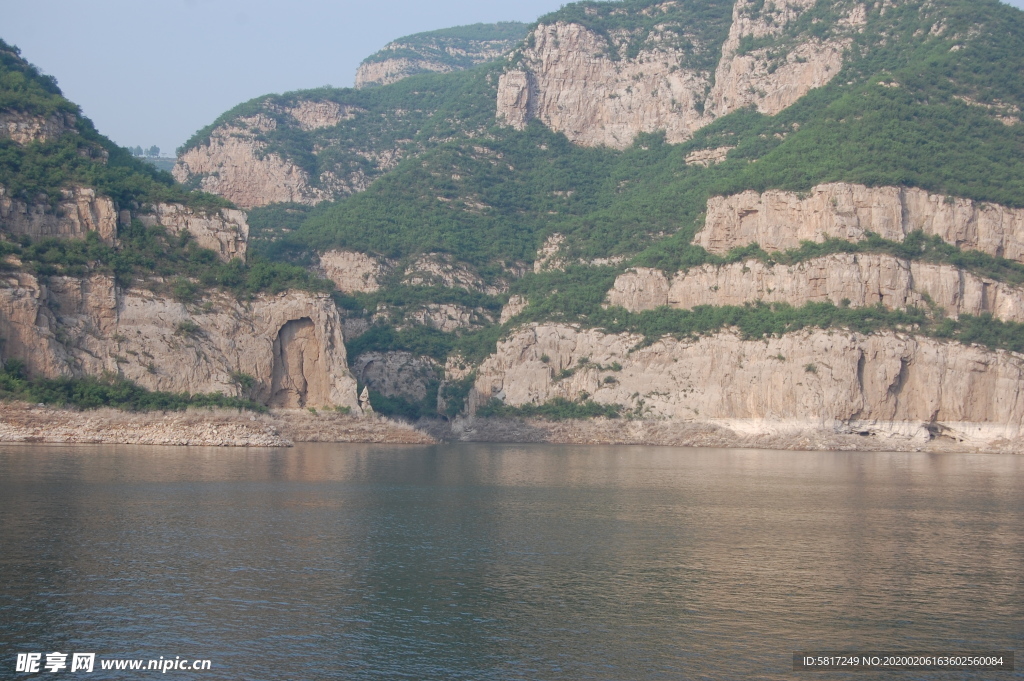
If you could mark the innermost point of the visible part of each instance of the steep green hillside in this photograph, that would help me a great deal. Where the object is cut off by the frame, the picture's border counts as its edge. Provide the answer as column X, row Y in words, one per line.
column 36, row 173
column 449, row 49
column 80, row 156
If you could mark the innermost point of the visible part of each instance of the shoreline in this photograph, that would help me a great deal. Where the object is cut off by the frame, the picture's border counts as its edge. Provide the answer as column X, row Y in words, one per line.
column 28, row 423
column 22, row 422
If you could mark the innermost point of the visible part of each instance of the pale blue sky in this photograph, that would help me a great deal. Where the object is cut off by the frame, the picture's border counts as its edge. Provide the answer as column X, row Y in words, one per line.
column 155, row 71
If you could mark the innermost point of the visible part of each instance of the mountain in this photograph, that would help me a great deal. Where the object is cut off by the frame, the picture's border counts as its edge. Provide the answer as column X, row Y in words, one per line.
column 792, row 223
column 120, row 287
column 450, row 49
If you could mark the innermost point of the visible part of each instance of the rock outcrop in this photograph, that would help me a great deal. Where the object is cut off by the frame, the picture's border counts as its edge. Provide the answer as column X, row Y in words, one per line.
column 352, row 271
column 779, row 220
column 884, row 384
column 441, row 51
column 285, row 350
column 397, row 373
column 233, row 164
column 774, row 77
column 857, row 280
column 24, row 128
column 568, row 81
column 440, row 269
column 80, row 211
column 567, row 78
column 226, row 232
column 316, row 115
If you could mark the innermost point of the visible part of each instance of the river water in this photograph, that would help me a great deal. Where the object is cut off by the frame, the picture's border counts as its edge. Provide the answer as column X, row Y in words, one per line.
column 505, row 561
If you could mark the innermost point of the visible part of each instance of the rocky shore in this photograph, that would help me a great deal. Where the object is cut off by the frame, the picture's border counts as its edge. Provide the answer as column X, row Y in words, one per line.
column 20, row 422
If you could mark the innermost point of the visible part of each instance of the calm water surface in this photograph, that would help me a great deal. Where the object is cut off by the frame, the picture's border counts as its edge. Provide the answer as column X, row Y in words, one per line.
column 505, row 562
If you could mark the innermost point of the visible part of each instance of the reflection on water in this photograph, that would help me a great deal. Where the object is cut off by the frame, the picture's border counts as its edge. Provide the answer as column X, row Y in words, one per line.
column 505, row 562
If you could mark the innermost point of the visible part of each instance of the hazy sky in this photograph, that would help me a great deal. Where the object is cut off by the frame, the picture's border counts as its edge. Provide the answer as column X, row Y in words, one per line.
column 155, row 71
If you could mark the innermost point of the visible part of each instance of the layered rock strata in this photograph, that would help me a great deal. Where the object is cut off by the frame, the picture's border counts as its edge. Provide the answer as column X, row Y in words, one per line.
column 857, row 280
column 780, row 220
column 285, row 350
column 80, row 211
column 884, row 384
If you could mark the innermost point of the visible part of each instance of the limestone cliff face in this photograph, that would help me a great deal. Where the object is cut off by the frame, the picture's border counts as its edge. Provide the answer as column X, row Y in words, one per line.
column 290, row 345
column 80, row 211
column 440, row 269
column 768, row 78
column 226, row 232
column 438, row 52
column 396, row 373
column 882, row 384
column 780, row 220
column 352, row 271
column 393, row 70
column 566, row 78
column 568, row 81
column 859, row 280
column 24, row 128
column 315, row 115
column 233, row 164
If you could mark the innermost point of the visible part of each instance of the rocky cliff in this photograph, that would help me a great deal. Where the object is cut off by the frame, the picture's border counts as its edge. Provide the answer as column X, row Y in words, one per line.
column 878, row 385
column 773, row 77
column 285, row 350
column 233, row 164
column 586, row 84
column 23, row 127
column 857, row 280
column 441, row 51
column 225, row 232
column 81, row 210
column 780, row 220
column 568, row 80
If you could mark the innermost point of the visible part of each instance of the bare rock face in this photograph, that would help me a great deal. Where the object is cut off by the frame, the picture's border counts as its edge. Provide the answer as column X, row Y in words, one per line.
column 780, row 220
column 435, row 52
column 286, row 350
column 233, row 165
column 226, row 232
column 708, row 157
column 449, row 318
column 24, row 128
column 514, row 306
column 884, row 384
column 352, row 271
column 568, row 81
column 393, row 70
column 80, row 211
column 857, row 280
column 768, row 78
column 315, row 115
column 439, row 269
column 396, row 373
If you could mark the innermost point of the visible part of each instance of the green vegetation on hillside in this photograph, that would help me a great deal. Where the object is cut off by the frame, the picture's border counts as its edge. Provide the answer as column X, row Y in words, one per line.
column 106, row 391
column 699, row 27
column 456, row 48
column 144, row 252
column 81, row 156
